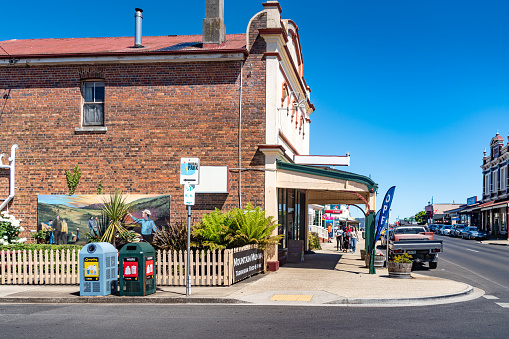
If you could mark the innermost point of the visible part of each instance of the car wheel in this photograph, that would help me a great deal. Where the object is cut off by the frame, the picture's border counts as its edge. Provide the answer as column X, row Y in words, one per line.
column 433, row 265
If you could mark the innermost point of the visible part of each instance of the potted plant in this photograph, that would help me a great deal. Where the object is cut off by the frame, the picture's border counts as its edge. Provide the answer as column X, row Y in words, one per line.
column 379, row 259
column 400, row 266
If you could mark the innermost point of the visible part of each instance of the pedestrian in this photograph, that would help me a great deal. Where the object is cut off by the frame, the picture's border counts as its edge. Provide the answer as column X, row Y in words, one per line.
column 147, row 225
column 339, row 238
column 354, row 237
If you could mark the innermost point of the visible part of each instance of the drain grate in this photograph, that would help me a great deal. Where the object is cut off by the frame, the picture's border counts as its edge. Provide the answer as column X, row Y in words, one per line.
column 291, row 297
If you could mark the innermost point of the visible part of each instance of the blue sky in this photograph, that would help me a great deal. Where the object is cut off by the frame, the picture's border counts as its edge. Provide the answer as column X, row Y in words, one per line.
column 414, row 90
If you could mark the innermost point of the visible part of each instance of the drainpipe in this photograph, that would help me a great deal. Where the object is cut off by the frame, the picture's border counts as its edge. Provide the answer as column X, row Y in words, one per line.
column 12, row 160
column 240, row 137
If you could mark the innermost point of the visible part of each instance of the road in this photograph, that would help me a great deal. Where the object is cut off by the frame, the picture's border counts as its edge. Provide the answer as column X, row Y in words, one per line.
column 482, row 266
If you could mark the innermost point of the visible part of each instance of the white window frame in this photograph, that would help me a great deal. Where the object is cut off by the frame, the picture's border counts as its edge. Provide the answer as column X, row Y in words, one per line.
column 503, row 176
column 487, row 183
column 95, row 102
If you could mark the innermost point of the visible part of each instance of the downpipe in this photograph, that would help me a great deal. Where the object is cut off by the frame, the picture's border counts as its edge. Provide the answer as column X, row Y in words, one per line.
column 12, row 161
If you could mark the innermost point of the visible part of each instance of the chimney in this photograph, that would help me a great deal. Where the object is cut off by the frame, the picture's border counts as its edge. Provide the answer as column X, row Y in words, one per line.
column 214, row 31
column 138, row 17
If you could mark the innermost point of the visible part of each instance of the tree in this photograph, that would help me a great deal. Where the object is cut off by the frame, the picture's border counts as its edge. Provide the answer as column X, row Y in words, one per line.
column 419, row 217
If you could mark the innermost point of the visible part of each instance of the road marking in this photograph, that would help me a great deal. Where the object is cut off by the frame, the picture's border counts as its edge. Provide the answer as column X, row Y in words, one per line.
column 504, row 305
column 477, row 274
column 291, row 297
column 468, row 249
column 487, row 296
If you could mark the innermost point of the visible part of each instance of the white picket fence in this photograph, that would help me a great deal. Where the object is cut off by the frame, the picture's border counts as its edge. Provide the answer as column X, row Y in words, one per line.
column 208, row 268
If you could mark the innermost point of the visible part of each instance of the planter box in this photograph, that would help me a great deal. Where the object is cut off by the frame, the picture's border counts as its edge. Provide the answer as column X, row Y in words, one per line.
column 363, row 254
column 379, row 261
column 399, row 270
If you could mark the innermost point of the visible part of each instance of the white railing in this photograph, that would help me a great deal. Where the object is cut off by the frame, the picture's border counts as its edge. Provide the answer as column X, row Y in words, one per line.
column 322, row 232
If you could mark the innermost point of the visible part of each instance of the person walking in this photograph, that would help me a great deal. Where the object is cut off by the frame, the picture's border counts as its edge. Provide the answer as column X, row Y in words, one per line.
column 147, row 225
column 354, row 237
column 339, row 239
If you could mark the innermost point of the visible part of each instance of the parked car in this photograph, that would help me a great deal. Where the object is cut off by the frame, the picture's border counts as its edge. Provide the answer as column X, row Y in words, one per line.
column 439, row 229
column 433, row 227
column 445, row 229
column 455, row 229
column 473, row 232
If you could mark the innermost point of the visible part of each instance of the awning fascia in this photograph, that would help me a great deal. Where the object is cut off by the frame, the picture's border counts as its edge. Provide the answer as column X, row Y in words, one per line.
column 329, row 173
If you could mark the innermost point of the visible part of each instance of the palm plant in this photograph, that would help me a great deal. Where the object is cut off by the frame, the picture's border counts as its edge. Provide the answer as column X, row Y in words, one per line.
column 171, row 238
column 115, row 209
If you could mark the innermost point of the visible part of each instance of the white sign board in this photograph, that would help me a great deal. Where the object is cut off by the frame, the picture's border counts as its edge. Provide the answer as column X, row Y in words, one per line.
column 189, row 194
column 189, row 171
column 213, row 179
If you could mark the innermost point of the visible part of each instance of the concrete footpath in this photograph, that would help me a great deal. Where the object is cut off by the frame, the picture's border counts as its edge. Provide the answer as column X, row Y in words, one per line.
column 326, row 278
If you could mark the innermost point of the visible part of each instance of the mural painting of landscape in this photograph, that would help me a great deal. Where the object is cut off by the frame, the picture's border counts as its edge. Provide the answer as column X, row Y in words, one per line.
column 76, row 210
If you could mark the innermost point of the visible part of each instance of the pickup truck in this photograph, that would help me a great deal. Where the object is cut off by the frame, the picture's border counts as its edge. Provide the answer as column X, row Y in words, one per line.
column 416, row 241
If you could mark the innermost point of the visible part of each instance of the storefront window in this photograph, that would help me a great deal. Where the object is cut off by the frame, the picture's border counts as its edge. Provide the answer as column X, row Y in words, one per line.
column 291, row 216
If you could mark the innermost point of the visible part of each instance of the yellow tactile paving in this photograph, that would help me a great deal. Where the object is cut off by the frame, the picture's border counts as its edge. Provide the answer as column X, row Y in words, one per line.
column 291, row 297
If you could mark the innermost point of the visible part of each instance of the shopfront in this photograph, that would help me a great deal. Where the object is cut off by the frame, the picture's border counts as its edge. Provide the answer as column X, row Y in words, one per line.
column 291, row 215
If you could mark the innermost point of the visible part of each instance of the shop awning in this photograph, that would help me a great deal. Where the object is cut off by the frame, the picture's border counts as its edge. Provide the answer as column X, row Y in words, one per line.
column 326, row 185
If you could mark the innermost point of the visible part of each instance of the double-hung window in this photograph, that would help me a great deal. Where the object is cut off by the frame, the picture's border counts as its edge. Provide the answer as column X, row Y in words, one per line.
column 93, row 103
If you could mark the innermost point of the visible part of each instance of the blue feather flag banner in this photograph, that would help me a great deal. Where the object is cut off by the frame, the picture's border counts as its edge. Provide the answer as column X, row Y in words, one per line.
column 384, row 212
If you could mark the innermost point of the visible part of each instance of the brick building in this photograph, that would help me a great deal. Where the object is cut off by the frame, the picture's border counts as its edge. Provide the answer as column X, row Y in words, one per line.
column 127, row 114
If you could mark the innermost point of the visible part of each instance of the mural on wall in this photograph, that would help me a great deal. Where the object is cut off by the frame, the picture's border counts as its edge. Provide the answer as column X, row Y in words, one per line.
column 77, row 212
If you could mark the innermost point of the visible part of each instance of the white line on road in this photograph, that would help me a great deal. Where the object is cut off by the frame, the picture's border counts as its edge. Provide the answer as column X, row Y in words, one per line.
column 487, row 296
column 477, row 274
column 468, row 249
column 504, row 305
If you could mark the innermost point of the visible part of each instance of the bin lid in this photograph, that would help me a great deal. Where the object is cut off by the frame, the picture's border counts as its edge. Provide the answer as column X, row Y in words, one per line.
column 137, row 247
column 95, row 248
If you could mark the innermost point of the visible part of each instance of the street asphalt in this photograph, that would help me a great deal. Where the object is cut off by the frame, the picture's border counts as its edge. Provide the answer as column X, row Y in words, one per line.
column 326, row 278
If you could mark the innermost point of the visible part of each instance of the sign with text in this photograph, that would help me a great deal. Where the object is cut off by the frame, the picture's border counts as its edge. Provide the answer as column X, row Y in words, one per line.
column 189, row 194
column 247, row 263
column 189, row 171
column 131, row 269
column 384, row 211
column 149, row 267
column 471, row 200
column 91, row 267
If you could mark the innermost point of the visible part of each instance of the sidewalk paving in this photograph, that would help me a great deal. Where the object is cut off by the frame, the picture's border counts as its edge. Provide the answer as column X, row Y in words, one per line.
column 327, row 277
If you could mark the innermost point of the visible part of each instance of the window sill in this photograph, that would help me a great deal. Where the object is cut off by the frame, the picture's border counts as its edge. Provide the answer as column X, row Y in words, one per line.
column 91, row 129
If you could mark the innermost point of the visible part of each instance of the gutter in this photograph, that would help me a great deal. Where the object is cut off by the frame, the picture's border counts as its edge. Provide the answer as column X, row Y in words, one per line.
column 12, row 160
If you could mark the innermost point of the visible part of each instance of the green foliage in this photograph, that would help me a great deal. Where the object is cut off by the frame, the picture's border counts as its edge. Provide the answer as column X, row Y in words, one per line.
column 100, row 187
column 238, row 227
column 115, row 209
column 37, row 247
column 210, row 233
column 40, row 236
column 73, row 179
column 171, row 238
column 10, row 227
column 314, row 241
column 402, row 258
column 419, row 217
column 250, row 226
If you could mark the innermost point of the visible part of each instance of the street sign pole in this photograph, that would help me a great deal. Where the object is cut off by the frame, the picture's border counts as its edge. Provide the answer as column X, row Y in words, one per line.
column 189, row 177
column 188, row 278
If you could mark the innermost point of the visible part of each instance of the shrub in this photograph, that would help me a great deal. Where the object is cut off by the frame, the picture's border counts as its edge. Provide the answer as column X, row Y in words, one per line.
column 210, row 233
column 314, row 241
column 115, row 210
column 37, row 247
column 171, row 238
column 402, row 258
column 238, row 227
column 10, row 227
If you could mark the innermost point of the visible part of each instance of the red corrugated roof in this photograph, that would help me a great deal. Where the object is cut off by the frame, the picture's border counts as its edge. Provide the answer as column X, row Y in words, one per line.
column 98, row 46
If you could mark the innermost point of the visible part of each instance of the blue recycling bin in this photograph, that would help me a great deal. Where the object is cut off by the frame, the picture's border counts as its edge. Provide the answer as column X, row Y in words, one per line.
column 98, row 264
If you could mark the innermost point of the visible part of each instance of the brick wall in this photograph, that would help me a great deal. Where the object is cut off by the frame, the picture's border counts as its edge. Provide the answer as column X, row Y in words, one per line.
column 155, row 114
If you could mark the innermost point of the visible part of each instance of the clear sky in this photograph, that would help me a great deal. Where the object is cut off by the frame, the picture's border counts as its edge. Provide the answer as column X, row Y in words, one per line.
column 414, row 90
